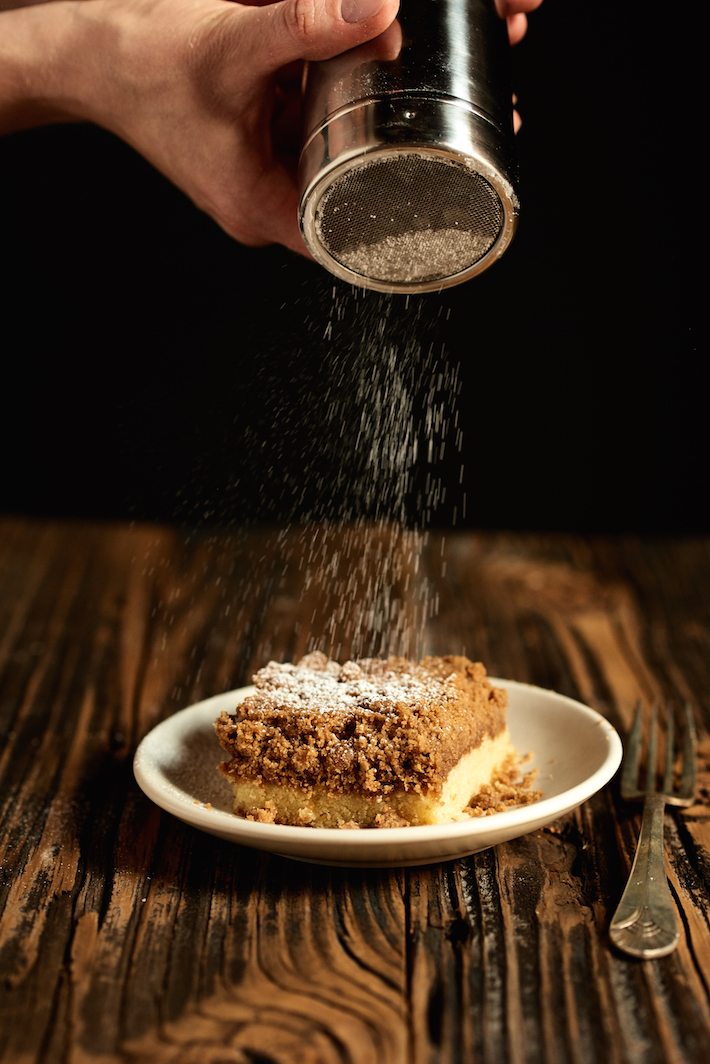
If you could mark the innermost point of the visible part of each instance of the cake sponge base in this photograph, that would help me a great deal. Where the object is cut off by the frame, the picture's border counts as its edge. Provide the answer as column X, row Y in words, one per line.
column 317, row 807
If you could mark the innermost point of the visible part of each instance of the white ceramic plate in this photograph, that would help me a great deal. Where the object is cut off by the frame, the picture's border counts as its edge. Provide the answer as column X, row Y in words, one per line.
column 576, row 752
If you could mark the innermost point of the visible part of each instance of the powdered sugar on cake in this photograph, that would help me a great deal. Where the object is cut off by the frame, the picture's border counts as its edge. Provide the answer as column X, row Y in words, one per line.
column 327, row 687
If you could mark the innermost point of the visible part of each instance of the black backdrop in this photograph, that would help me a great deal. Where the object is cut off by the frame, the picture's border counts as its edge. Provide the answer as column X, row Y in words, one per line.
column 153, row 368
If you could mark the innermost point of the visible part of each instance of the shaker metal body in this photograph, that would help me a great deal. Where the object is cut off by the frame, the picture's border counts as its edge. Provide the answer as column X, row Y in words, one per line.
column 406, row 172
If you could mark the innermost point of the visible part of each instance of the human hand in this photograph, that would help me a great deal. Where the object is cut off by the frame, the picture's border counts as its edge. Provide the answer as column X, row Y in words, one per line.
column 202, row 88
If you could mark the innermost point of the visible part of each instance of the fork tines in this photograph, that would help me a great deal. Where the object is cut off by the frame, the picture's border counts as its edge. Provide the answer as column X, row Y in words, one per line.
column 683, row 794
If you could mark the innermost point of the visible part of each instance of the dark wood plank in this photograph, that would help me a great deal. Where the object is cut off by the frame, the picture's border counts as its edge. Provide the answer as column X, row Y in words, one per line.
column 125, row 935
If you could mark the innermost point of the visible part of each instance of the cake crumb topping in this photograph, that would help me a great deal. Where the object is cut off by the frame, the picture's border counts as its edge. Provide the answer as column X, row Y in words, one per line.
column 369, row 726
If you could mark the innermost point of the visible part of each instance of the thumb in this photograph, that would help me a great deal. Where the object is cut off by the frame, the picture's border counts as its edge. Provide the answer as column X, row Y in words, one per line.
column 316, row 29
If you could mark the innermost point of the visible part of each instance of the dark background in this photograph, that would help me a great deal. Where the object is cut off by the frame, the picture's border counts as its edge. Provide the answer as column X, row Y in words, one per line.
column 152, row 368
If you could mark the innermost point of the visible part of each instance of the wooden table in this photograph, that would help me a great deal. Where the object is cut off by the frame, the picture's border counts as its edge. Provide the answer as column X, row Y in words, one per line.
column 127, row 936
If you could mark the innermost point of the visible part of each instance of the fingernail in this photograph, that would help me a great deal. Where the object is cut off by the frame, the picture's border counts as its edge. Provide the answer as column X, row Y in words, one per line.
column 359, row 10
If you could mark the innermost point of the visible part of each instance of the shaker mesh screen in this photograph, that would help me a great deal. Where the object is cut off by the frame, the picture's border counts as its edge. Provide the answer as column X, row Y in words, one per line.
column 409, row 217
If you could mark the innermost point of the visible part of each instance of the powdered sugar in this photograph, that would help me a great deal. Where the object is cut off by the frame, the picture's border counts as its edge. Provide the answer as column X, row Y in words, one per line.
column 324, row 686
column 419, row 255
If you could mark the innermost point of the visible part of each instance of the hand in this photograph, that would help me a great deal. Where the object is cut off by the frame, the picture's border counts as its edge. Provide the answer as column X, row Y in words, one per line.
column 199, row 87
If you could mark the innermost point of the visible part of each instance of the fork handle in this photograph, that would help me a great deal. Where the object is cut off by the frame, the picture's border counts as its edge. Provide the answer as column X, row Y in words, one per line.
column 644, row 924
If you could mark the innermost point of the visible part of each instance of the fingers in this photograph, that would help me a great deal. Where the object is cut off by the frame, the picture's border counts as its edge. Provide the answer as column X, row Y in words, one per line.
column 506, row 8
column 517, row 27
column 515, row 12
column 314, row 29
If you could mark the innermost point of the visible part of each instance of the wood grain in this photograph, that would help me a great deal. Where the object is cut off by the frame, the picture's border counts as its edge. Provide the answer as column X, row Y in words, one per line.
column 127, row 936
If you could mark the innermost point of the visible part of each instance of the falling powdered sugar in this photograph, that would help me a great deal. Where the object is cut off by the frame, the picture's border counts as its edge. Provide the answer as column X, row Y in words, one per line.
column 394, row 408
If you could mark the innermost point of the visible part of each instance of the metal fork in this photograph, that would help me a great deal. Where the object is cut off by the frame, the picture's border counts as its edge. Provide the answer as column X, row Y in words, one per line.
column 644, row 924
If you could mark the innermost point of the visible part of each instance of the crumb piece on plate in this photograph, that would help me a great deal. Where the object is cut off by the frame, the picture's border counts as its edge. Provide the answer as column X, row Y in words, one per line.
column 506, row 789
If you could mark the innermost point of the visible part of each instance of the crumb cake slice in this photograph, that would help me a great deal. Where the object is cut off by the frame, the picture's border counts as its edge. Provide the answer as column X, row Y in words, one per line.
column 371, row 743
